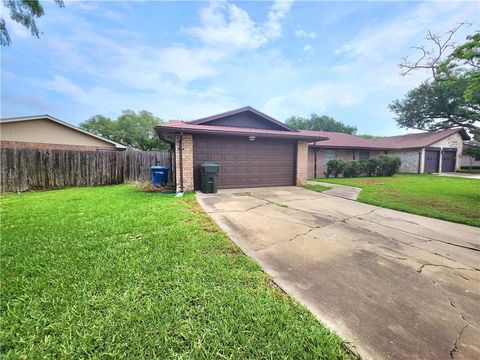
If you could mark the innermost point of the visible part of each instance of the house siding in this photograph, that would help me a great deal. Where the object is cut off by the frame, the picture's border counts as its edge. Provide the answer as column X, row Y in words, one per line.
column 410, row 160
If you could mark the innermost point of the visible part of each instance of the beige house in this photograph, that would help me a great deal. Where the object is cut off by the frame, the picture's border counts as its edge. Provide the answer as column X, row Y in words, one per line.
column 47, row 132
column 426, row 152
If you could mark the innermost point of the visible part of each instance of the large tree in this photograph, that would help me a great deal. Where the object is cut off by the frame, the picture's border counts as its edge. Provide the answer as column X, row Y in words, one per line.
column 130, row 128
column 451, row 96
column 324, row 122
column 23, row 12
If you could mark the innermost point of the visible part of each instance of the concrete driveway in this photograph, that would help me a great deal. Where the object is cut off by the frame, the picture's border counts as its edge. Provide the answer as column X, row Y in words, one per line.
column 396, row 285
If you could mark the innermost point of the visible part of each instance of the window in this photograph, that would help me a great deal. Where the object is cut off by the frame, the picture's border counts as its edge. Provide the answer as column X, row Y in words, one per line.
column 329, row 155
column 364, row 154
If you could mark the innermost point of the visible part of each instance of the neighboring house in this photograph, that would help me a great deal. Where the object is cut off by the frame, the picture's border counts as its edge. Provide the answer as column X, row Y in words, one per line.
column 47, row 132
column 252, row 148
column 467, row 160
column 426, row 152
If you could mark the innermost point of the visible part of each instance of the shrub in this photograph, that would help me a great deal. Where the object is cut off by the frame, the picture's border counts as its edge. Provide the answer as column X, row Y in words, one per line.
column 335, row 167
column 370, row 167
column 353, row 169
column 388, row 165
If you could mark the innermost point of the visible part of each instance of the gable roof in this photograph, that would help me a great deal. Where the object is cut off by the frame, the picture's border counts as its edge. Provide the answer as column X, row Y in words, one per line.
column 206, row 120
column 409, row 141
column 419, row 140
column 58, row 121
column 188, row 127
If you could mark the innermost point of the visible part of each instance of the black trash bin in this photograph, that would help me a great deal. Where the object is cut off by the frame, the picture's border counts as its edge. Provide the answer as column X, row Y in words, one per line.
column 209, row 177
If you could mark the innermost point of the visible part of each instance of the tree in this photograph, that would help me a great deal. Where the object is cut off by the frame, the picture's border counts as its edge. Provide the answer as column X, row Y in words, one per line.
column 130, row 129
column 451, row 97
column 23, row 12
column 325, row 123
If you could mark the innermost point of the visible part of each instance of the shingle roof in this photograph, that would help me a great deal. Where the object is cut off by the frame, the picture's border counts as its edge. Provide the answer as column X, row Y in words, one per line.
column 409, row 141
column 177, row 125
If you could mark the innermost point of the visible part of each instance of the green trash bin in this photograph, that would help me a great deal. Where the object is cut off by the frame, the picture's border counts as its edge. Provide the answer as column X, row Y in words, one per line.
column 209, row 177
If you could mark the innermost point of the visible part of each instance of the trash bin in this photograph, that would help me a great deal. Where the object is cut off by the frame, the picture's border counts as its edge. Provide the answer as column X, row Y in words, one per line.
column 159, row 175
column 209, row 177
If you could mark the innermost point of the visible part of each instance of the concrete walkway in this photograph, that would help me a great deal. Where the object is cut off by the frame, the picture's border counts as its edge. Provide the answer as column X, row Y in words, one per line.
column 343, row 191
column 398, row 286
column 460, row 175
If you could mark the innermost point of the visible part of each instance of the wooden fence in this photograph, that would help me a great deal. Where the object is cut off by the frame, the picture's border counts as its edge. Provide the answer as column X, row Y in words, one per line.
column 32, row 169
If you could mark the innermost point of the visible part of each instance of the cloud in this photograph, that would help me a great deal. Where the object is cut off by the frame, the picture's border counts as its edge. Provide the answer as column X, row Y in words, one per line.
column 307, row 47
column 224, row 23
column 304, row 34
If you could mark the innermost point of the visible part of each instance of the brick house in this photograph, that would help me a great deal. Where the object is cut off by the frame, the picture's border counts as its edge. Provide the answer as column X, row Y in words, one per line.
column 426, row 152
column 47, row 132
column 254, row 149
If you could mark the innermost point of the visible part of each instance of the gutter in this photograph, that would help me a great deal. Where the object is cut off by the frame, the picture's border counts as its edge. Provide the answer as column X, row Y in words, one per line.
column 180, row 162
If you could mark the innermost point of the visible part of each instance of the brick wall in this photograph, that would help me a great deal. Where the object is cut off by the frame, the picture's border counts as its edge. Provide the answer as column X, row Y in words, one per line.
column 302, row 163
column 187, row 157
column 44, row 146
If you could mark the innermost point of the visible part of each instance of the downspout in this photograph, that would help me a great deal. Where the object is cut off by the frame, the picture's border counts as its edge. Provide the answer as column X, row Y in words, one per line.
column 315, row 163
column 181, row 161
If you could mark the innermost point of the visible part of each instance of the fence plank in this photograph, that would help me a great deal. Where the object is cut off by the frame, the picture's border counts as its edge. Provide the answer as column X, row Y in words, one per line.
column 39, row 169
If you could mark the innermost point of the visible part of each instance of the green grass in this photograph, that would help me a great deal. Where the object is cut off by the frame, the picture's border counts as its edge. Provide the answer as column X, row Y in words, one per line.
column 447, row 198
column 112, row 272
column 317, row 188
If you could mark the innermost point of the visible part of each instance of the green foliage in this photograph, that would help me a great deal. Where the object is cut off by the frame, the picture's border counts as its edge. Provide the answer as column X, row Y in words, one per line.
column 114, row 273
column 441, row 197
column 371, row 166
column 353, row 169
column 317, row 188
column 474, row 152
column 388, row 165
column 317, row 123
column 451, row 98
column 382, row 166
column 23, row 12
column 438, row 104
column 130, row 128
column 367, row 136
column 335, row 167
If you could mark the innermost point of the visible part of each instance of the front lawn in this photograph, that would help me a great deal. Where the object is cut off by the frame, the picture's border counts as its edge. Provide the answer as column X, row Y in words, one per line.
column 112, row 272
column 447, row 198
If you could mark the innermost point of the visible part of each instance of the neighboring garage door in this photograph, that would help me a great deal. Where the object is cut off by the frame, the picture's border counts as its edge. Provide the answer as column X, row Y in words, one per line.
column 431, row 161
column 245, row 163
column 448, row 160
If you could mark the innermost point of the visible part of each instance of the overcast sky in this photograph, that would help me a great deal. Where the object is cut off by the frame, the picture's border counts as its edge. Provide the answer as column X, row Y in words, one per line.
column 185, row 60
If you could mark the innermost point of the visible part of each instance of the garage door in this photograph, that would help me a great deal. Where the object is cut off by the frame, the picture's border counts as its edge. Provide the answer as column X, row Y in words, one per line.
column 431, row 161
column 245, row 163
column 448, row 160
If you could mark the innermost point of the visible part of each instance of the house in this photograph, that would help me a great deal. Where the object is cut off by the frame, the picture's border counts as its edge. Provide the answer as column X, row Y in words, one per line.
column 252, row 148
column 426, row 152
column 47, row 132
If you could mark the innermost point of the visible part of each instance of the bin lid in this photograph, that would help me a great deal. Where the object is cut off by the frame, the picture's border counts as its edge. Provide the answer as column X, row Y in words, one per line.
column 157, row 167
column 209, row 164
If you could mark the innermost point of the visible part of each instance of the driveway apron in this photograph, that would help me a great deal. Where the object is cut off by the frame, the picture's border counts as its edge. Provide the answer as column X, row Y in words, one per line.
column 395, row 285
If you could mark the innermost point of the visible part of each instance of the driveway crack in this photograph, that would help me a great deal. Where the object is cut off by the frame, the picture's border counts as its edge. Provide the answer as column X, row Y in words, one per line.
column 455, row 344
column 445, row 266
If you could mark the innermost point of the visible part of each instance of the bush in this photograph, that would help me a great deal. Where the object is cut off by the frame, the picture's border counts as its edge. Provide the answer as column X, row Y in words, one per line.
column 388, row 165
column 353, row 169
column 335, row 167
column 370, row 167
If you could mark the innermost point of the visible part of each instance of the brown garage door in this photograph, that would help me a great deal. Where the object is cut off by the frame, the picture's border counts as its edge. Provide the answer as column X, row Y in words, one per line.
column 431, row 161
column 448, row 160
column 244, row 163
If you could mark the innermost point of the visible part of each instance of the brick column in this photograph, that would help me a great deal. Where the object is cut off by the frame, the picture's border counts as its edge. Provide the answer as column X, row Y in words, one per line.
column 187, row 160
column 302, row 163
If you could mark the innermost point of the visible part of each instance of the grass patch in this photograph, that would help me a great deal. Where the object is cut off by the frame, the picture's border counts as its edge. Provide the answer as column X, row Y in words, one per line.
column 317, row 188
column 113, row 272
column 446, row 198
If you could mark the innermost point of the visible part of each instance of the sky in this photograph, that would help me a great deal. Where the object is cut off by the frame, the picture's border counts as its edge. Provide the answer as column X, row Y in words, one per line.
column 187, row 60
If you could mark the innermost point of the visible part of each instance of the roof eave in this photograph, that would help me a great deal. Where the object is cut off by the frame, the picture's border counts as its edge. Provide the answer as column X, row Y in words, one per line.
column 288, row 135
